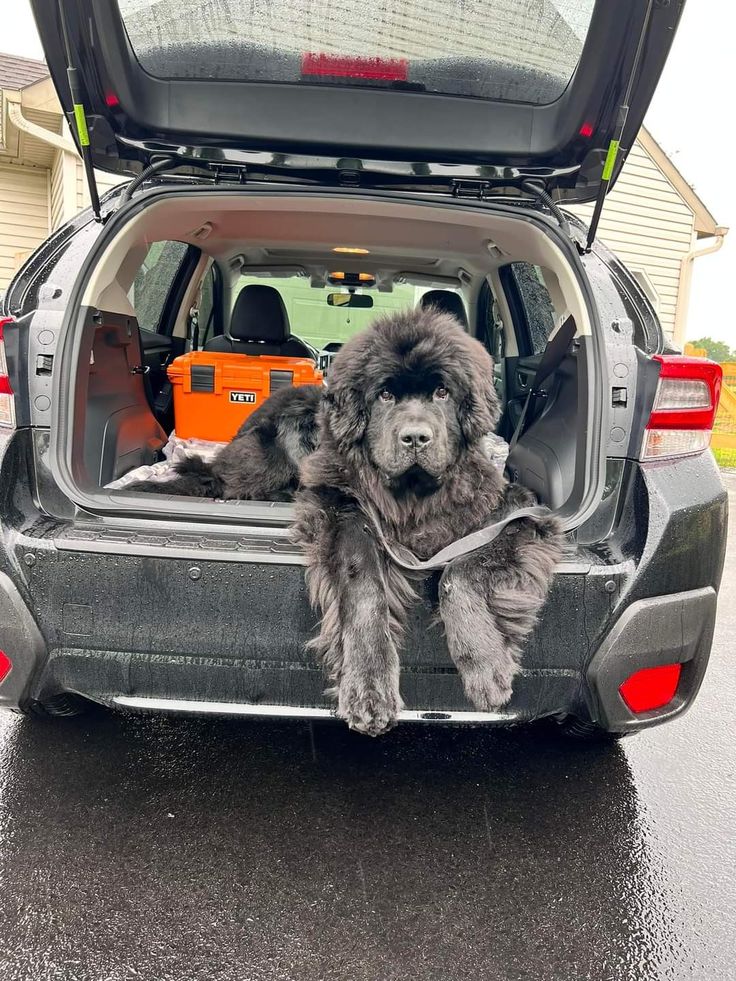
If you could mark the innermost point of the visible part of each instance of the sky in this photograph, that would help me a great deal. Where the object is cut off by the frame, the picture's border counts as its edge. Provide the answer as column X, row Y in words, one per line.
column 688, row 117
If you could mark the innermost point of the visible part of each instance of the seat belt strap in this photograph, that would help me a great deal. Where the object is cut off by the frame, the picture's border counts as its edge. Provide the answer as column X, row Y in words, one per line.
column 193, row 319
column 553, row 356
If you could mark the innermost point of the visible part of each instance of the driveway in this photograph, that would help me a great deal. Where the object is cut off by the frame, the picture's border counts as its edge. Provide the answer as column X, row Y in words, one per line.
column 177, row 849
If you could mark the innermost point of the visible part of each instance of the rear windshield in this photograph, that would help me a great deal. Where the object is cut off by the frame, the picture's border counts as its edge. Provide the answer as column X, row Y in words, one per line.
column 510, row 50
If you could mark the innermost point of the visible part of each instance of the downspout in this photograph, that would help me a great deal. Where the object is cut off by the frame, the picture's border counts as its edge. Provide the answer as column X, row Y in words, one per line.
column 711, row 244
column 67, row 148
column 16, row 117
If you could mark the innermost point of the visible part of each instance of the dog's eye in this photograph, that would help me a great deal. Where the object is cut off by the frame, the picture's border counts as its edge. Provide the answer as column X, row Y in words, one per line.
column 441, row 393
column 385, row 396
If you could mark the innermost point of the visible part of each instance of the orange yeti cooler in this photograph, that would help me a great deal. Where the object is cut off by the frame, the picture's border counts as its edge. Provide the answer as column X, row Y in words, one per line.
column 215, row 392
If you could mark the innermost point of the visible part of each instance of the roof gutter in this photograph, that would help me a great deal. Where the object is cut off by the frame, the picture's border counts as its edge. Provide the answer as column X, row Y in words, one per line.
column 710, row 245
column 16, row 117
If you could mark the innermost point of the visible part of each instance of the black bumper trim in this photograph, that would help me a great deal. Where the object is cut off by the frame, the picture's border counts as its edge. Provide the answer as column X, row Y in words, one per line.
column 676, row 628
column 21, row 640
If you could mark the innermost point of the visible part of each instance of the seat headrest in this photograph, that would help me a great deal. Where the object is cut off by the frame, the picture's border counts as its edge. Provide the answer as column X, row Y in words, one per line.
column 259, row 314
column 447, row 302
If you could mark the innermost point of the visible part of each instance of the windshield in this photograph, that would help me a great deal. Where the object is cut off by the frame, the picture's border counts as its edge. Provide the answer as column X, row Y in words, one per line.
column 313, row 320
column 513, row 50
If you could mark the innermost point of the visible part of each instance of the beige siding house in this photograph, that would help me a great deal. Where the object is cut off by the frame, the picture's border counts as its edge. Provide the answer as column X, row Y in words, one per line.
column 652, row 219
column 41, row 177
column 657, row 225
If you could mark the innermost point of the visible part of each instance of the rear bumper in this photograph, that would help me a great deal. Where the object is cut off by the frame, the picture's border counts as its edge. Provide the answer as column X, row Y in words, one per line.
column 651, row 632
column 659, row 630
column 185, row 617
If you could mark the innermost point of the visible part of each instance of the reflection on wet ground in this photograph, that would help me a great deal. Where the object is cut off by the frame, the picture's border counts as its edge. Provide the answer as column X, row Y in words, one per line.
column 221, row 850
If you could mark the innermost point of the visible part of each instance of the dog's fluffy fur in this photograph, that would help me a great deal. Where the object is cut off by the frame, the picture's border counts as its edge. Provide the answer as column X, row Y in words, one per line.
column 408, row 403
column 262, row 461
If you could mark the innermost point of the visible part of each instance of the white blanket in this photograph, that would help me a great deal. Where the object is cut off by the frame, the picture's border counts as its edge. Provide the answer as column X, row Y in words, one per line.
column 174, row 452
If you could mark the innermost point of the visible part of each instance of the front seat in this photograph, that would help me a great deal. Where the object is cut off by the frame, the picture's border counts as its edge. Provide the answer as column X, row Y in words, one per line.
column 447, row 302
column 260, row 325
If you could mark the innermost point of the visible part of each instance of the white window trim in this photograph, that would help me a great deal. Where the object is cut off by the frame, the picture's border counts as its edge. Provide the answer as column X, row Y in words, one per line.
column 642, row 278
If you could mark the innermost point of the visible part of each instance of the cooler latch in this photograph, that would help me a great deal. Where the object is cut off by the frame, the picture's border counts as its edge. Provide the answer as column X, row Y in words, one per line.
column 202, row 377
column 280, row 379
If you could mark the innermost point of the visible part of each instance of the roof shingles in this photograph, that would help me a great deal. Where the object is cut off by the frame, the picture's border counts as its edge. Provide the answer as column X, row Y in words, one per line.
column 17, row 72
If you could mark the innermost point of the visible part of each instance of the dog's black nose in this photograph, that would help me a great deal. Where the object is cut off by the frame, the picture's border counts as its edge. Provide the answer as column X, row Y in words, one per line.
column 415, row 435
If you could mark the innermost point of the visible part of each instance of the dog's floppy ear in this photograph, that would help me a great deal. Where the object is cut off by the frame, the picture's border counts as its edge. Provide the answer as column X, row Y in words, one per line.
column 345, row 409
column 346, row 415
column 479, row 410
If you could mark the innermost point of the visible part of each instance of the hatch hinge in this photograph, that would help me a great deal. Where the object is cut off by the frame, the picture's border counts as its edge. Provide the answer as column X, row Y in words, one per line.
column 478, row 190
column 468, row 189
column 349, row 172
column 80, row 118
column 230, row 173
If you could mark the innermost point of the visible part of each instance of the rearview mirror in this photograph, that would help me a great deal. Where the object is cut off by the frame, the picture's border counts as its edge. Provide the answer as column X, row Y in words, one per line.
column 360, row 301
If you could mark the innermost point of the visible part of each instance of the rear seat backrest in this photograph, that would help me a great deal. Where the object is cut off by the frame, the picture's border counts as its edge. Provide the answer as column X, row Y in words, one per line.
column 260, row 325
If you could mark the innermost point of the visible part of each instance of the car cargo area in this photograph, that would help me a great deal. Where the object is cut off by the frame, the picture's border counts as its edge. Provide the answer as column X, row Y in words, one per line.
column 202, row 303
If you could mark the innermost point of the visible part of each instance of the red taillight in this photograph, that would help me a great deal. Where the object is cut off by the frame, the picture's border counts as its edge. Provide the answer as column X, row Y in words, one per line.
column 651, row 688
column 586, row 130
column 7, row 404
column 684, row 408
column 340, row 66
column 5, row 665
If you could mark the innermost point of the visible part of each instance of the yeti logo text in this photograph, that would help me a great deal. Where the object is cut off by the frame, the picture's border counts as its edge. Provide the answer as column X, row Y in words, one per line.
column 248, row 397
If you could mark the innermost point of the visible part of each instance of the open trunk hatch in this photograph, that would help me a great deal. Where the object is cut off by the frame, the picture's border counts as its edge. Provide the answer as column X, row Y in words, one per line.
column 537, row 86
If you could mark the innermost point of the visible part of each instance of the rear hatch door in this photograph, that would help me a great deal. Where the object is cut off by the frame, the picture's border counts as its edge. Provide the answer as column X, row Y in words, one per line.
column 539, row 87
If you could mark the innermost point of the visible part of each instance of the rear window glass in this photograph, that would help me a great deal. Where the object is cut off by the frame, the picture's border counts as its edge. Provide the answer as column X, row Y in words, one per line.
column 540, row 314
column 153, row 282
column 512, row 50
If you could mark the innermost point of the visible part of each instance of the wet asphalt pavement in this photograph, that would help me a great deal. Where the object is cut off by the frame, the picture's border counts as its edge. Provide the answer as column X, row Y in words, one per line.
column 171, row 849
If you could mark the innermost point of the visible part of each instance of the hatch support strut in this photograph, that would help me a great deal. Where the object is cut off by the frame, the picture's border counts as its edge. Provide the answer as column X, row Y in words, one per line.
column 613, row 146
column 80, row 118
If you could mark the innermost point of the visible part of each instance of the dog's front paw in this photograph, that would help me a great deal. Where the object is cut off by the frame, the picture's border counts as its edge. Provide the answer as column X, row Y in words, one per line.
column 489, row 688
column 371, row 708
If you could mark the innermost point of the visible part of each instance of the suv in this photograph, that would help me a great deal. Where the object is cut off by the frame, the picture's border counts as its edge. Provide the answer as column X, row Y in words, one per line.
column 292, row 147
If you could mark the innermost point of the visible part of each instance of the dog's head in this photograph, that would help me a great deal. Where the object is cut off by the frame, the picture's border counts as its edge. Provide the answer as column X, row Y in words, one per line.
column 410, row 395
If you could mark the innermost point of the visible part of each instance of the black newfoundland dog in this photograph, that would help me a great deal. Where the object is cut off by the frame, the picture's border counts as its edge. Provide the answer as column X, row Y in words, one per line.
column 391, row 459
column 400, row 462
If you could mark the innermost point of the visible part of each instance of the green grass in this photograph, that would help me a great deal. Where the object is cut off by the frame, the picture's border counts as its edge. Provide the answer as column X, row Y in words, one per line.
column 725, row 458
